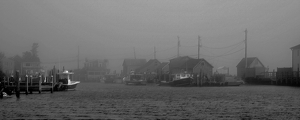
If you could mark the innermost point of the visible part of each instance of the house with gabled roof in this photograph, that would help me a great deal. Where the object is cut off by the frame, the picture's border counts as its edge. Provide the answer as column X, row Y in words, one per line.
column 151, row 67
column 295, row 57
column 254, row 67
column 190, row 65
column 131, row 65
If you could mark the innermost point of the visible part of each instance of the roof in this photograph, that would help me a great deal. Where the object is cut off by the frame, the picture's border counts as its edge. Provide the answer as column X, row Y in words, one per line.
column 163, row 64
column 249, row 61
column 193, row 62
column 296, row 47
column 179, row 61
column 186, row 62
column 147, row 65
column 134, row 62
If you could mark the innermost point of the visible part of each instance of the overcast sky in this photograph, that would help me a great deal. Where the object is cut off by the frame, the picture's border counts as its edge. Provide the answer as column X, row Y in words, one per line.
column 109, row 29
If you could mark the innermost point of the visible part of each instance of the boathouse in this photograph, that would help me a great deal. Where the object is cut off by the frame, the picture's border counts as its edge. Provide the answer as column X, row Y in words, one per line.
column 295, row 57
column 31, row 68
column 149, row 69
column 131, row 65
column 254, row 68
column 94, row 70
column 190, row 65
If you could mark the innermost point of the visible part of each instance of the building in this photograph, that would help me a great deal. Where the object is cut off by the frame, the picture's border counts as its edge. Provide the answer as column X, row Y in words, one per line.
column 31, row 68
column 163, row 71
column 151, row 67
column 94, row 70
column 131, row 65
column 7, row 66
column 295, row 57
column 191, row 66
column 254, row 68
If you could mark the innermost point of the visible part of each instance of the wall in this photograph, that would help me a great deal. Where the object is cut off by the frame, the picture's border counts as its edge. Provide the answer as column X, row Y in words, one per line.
column 296, row 59
column 205, row 69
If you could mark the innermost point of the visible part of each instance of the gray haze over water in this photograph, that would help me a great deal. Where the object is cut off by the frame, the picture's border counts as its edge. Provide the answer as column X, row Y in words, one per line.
column 109, row 29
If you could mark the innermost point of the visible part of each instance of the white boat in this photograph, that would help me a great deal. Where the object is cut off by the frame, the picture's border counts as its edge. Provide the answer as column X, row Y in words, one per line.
column 65, row 81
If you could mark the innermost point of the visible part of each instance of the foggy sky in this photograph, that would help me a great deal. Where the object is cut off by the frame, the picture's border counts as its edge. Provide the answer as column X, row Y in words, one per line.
column 109, row 29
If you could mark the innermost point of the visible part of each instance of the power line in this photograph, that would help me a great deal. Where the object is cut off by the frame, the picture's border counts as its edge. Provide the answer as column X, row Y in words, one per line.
column 220, row 55
column 225, row 46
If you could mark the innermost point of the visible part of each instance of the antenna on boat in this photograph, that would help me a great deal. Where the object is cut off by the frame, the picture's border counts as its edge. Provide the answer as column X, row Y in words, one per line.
column 134, row 52
column 178, row 45
column 154, row 53
column 246, row 64
column 78, row 58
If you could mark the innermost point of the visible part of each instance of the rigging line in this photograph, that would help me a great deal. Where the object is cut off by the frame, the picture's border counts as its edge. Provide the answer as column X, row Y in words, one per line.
column 230, row 53
column 64, row 61
column 189, row 45
column 220, row 55
column 166, row 49
column 225, row 46
column 229, row 50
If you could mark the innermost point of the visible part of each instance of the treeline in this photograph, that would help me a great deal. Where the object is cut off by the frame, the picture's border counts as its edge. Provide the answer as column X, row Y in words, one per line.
column 27, row 56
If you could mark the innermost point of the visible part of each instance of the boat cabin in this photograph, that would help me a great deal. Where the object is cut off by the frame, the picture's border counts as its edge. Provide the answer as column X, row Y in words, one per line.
column 66, row 77
column 182, row 76
column 136, row 77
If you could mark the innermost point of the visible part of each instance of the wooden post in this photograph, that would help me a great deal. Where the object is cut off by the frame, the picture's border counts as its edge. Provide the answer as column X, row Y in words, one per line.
column 17, row 85
column 40, row 84
column 200, row 77
column 52, row 83
column 26, row 77
column 298, row 75
column 197, row 80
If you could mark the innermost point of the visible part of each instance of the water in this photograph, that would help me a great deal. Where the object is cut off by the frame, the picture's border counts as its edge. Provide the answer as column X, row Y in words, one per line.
column 118, row 101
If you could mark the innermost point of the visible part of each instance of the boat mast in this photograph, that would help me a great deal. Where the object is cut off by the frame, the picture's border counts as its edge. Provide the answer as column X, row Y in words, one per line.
column 246, row 64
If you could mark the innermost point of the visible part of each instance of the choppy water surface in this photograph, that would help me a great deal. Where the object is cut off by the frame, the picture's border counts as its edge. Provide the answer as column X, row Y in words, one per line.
column 118, row 101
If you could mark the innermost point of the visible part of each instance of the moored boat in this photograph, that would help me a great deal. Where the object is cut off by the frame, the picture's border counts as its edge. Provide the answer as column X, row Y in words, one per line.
column 136, row 79
column 66, row 82
column 182, row 79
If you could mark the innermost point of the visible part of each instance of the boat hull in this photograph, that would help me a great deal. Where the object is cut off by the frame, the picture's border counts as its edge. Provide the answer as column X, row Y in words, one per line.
column 69, row 87
column 181, row 82
column 62, row 87
column 135, row 82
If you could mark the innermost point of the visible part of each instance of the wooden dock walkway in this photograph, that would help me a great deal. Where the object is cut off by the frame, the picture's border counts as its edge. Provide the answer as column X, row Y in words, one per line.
column 29, row 84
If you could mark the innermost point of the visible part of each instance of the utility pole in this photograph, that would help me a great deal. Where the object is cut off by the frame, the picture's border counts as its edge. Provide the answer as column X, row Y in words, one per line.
column 134, row 52
column 246, row 64
column 78, row 59
column 178, row 45
column 77, row 64
column 154, row 53
column 199, row 46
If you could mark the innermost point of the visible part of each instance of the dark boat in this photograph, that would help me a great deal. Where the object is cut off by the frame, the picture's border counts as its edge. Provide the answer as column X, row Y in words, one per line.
column 136, row 79
column 183, row 79
column 110, row 79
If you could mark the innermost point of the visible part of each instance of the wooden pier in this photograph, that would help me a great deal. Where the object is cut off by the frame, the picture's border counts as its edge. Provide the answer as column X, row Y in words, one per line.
column 291, row 78
column 29, row 84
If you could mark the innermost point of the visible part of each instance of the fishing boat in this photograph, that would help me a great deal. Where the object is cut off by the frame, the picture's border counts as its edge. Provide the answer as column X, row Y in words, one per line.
column 66, row 82
column 110, row 78
column 136, row 79
column 181, row 79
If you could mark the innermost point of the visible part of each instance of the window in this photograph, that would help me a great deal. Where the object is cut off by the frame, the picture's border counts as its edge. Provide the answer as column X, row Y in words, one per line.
column 27, row 64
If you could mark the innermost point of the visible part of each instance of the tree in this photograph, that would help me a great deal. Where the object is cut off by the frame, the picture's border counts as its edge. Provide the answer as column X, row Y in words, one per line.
column 34, row 52
column 31, row 56
column 2, row 55
column 18, row 62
